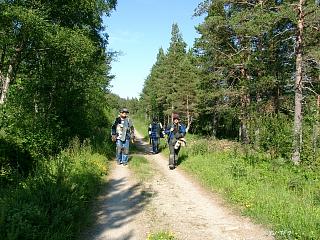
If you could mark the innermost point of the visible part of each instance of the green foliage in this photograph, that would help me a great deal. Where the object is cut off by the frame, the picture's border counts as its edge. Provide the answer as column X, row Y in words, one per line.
column 52, row 204
column 170, row 86
column 274, row 135
column 270, row 190
column 59, row 78
column 199, row 147
column 14, row 160
column 141, row 124
column 161, row 236
column 55, row 57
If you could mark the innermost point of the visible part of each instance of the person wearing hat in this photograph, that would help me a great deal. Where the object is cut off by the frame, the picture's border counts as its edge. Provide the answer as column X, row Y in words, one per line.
column 122, row 131
column 176, row 132
column 155, row 132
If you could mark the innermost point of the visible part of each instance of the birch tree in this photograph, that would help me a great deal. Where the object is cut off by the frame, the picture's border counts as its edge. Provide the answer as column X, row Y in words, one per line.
column 297, row 128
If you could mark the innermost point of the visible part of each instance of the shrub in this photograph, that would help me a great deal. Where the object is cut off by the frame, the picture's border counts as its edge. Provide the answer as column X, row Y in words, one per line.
column 53, row 202
column 199, row 147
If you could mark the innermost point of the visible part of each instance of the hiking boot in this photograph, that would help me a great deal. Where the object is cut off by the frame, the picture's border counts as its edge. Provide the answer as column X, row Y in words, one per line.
column 171, row 167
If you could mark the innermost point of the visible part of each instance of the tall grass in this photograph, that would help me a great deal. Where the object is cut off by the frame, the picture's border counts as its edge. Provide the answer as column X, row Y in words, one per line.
column 284, row 197
column 53, row 202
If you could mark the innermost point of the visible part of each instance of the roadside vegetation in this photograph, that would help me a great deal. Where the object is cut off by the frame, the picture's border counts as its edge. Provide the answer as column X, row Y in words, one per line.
column 161, row 236
column 270, row 190
column 249, row 93
column 248, row 90
column 55, row 106
column 141, row 168
column 52, row 203
column 141, row 125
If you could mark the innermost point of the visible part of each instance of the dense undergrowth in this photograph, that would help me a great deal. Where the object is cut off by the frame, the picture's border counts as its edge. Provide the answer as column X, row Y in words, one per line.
column 270, row 190
column 52, row 202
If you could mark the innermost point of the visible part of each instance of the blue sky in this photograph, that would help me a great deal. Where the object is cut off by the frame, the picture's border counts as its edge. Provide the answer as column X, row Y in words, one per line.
column 138, row 28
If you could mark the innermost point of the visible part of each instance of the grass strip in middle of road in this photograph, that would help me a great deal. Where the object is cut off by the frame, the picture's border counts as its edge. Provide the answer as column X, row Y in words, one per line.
column 141, row 167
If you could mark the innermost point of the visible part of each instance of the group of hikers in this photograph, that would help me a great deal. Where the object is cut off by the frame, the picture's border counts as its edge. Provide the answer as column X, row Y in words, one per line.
column 122, row 132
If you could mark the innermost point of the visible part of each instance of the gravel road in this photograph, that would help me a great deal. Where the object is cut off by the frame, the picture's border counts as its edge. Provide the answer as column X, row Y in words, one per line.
column 170, row 201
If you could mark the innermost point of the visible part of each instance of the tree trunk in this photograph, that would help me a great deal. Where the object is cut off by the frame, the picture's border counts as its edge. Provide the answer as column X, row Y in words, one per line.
column 172, row 108
column 5, row 80
column 245, row 102
column 188, row 115
column 243, row 131
column 297, row 128
column 5, row 84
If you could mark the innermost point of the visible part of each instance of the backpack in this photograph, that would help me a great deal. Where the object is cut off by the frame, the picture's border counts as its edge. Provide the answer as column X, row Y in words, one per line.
column 156, row 130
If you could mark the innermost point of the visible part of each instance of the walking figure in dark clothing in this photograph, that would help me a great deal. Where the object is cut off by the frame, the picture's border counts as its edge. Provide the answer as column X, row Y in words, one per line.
column 155, row 131
column 176, row 132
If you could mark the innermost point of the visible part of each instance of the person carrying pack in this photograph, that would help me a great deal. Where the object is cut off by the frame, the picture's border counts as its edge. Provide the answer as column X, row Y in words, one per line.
column 155, row 132
column 122, row 131
column 176, row 132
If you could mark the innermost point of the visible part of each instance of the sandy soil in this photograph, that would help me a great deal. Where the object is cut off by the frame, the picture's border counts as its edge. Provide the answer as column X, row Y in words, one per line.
column 169, row 201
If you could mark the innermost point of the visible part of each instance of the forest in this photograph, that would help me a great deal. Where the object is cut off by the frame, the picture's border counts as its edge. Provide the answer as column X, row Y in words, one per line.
column 54, row 113
column 252, row 78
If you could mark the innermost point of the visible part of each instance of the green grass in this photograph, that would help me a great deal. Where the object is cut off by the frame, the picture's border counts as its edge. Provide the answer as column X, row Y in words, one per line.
column 141, row 125
column 273, row 192
column 141, row 168
column 284, row 197
column 53, row 202
column 163, row 235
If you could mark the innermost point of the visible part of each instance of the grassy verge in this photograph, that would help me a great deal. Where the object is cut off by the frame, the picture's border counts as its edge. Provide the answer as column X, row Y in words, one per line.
column 141, row 168
column 53, row 203
column 284, row 197
column 272, row 191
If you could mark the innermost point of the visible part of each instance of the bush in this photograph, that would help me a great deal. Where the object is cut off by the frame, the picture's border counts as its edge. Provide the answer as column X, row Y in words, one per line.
column 53, row 203
column 276, row 135
column 199, row 147
column 14, row 160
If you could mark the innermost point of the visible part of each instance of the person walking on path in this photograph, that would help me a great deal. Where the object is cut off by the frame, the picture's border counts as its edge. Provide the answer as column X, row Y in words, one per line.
column 155, row 132
column 176, row 132
column 122, row 131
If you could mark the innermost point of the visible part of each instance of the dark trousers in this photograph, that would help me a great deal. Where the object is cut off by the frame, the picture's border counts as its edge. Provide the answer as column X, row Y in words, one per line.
column 173, row 157
column 155, row 144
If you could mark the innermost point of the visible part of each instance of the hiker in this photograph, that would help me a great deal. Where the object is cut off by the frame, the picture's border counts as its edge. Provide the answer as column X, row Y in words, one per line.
column 155, row 131
column 176, row 132
column 122, row 131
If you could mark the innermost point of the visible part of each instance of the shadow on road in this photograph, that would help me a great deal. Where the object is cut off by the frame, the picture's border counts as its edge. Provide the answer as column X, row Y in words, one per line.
column 118, row 207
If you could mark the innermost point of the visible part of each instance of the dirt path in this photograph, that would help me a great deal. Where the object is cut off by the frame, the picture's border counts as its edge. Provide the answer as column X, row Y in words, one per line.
column 170, row 201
